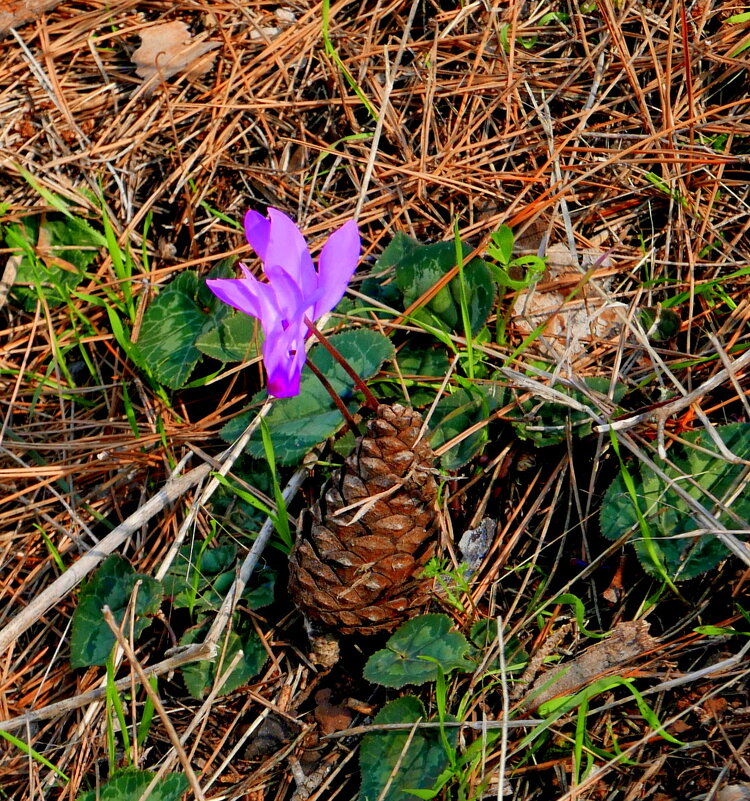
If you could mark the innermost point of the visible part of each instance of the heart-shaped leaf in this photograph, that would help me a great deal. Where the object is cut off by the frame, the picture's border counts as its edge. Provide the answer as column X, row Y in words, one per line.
column 414, row 653
column 457, row 412
column 199, row 677
column 112, row 585
column 236, row 338
column 419, row 267
column 170, row 329
column 128, row 785
column 419, row 764
column 298, row 424
column 698, row 467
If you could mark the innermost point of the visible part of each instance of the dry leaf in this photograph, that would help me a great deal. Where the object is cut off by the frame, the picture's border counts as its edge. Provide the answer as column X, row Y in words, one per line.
column 272, row 734
column 475, row 543
column 626, row 642
column 330, row 717
column 734, row 792
column 711, row 711
column 15, row 12
column 284, row 18
column 168, row 49
column 570, row 323
column 265, row 32
column 9, row 277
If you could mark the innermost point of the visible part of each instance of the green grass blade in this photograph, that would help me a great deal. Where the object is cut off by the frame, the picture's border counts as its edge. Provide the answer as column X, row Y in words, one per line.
column 144, row 725
column 465, row 318
column 331, row 51
column 281, row 518
column 35, row 755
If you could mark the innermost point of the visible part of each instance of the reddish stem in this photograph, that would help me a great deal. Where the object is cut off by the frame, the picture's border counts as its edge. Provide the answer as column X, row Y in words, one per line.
column 335, row 395
column 370, row 400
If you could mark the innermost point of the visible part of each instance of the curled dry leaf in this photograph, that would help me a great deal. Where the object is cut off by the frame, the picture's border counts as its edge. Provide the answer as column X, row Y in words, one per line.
column 169, row 49
column 627, row 641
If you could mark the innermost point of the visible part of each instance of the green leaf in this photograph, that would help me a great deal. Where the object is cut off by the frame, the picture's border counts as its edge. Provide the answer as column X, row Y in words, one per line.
column 667, row 515
column 128, row 785
column 171, row 326
column 199, row 677
column 457, row 412
column 382, row 291
column 507, row 271
column 408, row 654
column 262, row 589
column 380, row 286
column 70, row 246
column 401, row 247
column 419, row 765
column 236, row 338
column 501, row 245
column 418, row 360
column 423, row 360
column 34, row 755
column 580, row 612
column 419, row 267
column 112, row 584
column 281, row 516
column 344, row 444
column 53, row 199
column 719, row 631
column 199, row 581
column 298, row 424
column 295, row 427
column 660, row 324
column 242, row 511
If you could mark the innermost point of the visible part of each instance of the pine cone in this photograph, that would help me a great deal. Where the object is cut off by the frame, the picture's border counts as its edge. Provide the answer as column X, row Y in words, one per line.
column 358, row 571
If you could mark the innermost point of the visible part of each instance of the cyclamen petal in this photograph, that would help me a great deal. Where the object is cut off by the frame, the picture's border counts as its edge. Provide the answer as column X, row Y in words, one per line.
column 284, row 357
column 336, row 265
column 287, row 249
column 257, row 233
column 241, row 293
column 295, row 290
column 290, row 299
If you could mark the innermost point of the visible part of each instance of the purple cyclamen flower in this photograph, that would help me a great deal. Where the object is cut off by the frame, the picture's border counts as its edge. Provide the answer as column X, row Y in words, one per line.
column 295, row 290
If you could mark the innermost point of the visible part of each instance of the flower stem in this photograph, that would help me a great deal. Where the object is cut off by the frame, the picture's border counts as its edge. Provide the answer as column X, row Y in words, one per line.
column 335, row 395
column 370, row 400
